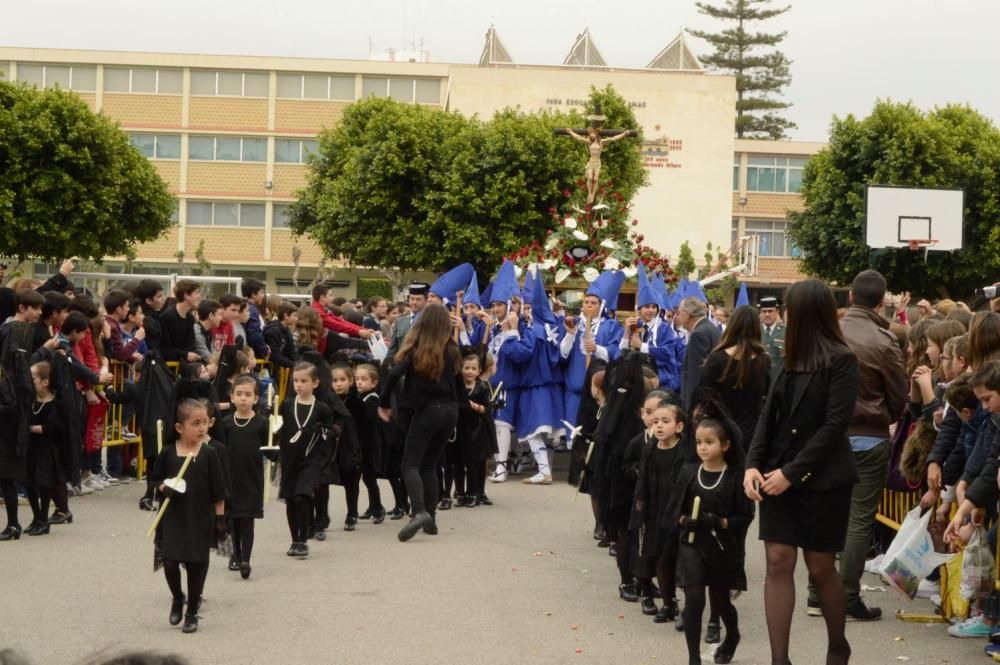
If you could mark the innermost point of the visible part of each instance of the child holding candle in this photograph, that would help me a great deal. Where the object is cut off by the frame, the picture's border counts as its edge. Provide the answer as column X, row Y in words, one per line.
column 244, row 433
column 195, row 519
column 713, row 513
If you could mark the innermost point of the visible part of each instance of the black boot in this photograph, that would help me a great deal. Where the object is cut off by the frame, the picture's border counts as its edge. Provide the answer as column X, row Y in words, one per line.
column 648, row 606
column 13, row 532
column 417, row 522
column 191, row 617
column 245, row 570
column 666, row 613
column 628, row 593
column 726, row 650
column 713, row 633
column 379, row 516
column 176, row 610
column 41, row 529
column 59, row 517
column 234, row 563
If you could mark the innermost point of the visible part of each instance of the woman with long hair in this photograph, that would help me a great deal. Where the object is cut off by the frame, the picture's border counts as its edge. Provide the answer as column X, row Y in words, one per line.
column 738, row 370
column 429, row 364
column 800, row 467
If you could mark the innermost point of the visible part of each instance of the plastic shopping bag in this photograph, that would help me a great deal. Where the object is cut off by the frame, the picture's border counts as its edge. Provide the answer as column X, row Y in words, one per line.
column 952, row 603
column 911, row 556
column 378, row 348
column 977, row 567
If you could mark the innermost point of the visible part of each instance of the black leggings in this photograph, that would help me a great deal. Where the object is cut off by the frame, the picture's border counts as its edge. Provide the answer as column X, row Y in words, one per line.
column 39, row 498
column 374, row 494
column 664, row 578
column 150, row 483
column 243, row 538
column 320, row 508
column 398, row 492
column 694, row 607
column 426, row 438
column 196, row 574
column 476, row 478
column 298, row 510
column 352, row 492
column 9, row 491
column 60, row 497
column 623, row 556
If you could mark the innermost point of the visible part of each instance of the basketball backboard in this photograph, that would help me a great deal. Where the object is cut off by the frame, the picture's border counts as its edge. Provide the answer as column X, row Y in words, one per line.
column 895, row 217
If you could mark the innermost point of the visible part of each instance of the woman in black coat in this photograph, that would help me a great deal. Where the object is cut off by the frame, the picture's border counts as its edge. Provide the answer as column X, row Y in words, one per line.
column 800, row 467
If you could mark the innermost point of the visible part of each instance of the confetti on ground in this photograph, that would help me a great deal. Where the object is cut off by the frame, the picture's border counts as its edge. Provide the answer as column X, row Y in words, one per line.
column 905, row 659
column 537, row 554
column 579, row 650
column 548, row 614
column 621, row 616
column 899, row 638
column 572, row 626
column 865, row 587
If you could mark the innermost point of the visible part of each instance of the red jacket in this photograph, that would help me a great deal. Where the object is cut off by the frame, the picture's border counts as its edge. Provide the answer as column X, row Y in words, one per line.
column 222, row 336
column 333, row 323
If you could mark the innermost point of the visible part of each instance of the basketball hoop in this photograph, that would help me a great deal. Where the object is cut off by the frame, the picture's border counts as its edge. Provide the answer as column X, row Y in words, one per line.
column 915, row 245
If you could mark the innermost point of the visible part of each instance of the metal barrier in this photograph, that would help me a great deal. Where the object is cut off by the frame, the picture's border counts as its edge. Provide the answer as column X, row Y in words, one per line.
column 894, row 506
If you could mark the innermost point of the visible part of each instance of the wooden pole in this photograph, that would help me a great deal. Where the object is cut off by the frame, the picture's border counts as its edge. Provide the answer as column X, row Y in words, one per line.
column 166, row 502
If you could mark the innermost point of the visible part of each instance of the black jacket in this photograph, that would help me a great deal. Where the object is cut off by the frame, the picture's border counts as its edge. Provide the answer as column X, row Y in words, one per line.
column 279, row 339
column 177, row 335
column 808, row 440
column 703, row 339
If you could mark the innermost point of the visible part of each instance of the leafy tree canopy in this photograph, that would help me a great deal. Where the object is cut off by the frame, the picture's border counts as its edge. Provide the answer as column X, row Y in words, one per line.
column 406, row 187
column 71, row 184
column 949, row 147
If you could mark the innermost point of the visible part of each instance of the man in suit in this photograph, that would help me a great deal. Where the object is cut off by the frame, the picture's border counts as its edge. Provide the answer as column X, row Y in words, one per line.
column 772, row 330
column 702, row 338
column 417, row 298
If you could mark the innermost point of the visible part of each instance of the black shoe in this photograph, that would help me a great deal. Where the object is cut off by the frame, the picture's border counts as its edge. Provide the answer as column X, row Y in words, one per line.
column 40, row 529
column 417, row 522
column 191, row 618
column 648, row 606
column 679, row 625
column 431, row 528
column 245, row 570
column 628, row 593
column 176, row 610
column 612, row 549
column 713, row 633
column 858, row 611
column 813, row 609
column 349, row 524
column 666, row 613
column 726, row 650
column 367, row 515
column 234, row 565
column 292, row 549
column 301, row 551
column 483, row 500
column 60, row 517
column 444, row 504
column 311, row 532
column 379, row 516
column 599, row 533
column 145, row 503
column 396, row 513
column 12, row 532
column 320, row 535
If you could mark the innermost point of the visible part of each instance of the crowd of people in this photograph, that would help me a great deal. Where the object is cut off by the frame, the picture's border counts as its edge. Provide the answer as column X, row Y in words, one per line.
column 685, row 424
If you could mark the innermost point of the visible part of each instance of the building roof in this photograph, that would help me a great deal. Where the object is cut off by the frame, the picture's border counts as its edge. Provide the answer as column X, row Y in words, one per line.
column 584, row 53
column 676, row 55
column 494, row 51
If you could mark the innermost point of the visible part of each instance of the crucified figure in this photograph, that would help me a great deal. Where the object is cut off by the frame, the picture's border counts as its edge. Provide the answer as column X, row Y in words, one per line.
column 595, row 142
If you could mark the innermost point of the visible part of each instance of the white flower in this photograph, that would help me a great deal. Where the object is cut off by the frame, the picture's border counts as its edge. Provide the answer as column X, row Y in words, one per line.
column 552, row 241
column 630, row 271
column 601, row 206
column 548, row 263
column 590, row 274
column 518, row 271
column 579, row 235
column 611, row 263
column 609, row 243
column 569, row 223
column 561, row 275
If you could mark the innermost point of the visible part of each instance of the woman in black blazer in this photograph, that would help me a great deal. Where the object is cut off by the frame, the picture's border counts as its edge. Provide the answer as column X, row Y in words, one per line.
column 800, row 467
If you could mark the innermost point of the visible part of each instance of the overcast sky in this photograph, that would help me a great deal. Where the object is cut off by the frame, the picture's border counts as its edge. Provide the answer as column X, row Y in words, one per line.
column 846, row 54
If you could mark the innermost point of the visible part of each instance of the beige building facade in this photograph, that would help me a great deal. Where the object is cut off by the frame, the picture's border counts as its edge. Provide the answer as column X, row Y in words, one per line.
column 230, row 135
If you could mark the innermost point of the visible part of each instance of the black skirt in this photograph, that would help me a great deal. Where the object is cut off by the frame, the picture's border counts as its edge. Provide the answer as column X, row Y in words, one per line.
column 814, row 521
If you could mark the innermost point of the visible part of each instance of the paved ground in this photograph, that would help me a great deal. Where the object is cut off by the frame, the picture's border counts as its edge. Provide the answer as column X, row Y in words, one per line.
column 519, row 582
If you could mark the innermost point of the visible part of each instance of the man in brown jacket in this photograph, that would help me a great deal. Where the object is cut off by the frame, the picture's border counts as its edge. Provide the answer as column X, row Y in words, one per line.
column 882, row 392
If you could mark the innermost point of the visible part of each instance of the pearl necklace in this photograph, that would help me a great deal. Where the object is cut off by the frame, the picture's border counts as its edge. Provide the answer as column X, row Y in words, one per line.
column 41, row 405
column 236, row 421
column 718, row 480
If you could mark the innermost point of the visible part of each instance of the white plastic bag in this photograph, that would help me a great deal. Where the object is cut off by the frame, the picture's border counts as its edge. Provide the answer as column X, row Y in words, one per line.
column 377, row 346
column 977, row 567
column 911, row 556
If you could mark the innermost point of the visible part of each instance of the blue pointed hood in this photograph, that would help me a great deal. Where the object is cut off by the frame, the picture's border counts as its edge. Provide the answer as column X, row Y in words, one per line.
column 646, row 294
column 606, row 287
column 485, row 296
column 472, row 293
column 505, row 285
column 527, row 292
column 659, row 286
column 743, row 298
column 448, row 284
column 695, row 291
column 674, row 299
column 541, row 309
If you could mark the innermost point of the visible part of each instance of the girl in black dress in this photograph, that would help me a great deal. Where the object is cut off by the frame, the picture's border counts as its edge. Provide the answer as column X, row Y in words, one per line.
column 342, row 384
column 658, row 470
column 375, row 438
column 475, row 432
column 195, row 518
column 244, row 433
column 46, row 431
column 305, row 453
column 712, row 537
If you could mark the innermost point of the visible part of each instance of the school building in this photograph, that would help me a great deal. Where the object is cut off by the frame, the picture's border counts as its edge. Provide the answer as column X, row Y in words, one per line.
column 231, row 134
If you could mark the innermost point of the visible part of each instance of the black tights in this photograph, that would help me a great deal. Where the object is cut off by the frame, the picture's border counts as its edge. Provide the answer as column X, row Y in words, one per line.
column 398, row 492
column 319, row 509
column 779, row 600
column 352, row 492
column 60, row 497
column 664, row 578
column 39, row 498
column 9, row 491
column 150, row 483
column 694, row 607
column 623, row 557
column 243, row 538
column 374, row 494
column 298, row 510
column 196, row 574
column 451, row 474
column 476, row 478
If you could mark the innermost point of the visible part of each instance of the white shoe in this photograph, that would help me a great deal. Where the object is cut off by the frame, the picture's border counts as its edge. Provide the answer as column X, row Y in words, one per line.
column 872, row 565
column 108, row 479
column 499, row 476
column 538, row 479
column 928, row 589
column 82, row 489
column 93, row 484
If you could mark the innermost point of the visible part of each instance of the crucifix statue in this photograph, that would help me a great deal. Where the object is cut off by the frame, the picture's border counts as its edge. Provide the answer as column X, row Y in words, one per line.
column 596, row 137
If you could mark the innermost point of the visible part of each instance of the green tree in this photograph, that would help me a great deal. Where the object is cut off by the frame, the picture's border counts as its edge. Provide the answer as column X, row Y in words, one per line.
column 949, row 147
column 685, row 261
column 71, row 184
column 760, row 75
column 404, row 187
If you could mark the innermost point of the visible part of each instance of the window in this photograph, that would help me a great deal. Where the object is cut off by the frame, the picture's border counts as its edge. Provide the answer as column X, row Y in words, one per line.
column 281, row 215
column 158, row 146
column 294, row 151
column 373, row 86
column 736, row 174
column 428, row 91
column 401, row 89
column 227, row 148
column 82, row 78
column 225, row 213
column 142, row 79
column 774, row 174
column 233, row 84
column 4, row 71
column 316, row 86
column 774, row 239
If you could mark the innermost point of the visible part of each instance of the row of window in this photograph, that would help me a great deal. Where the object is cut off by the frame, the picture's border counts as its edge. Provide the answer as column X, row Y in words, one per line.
column 224, row 148
column 338, row 87
column 773, row 234
column 234, row 213
column 766, row 173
